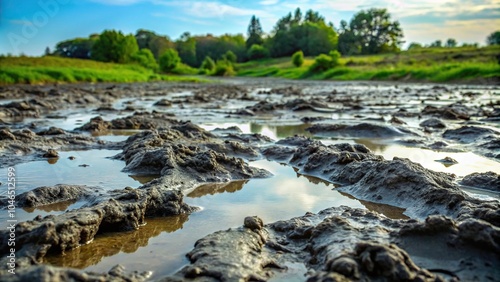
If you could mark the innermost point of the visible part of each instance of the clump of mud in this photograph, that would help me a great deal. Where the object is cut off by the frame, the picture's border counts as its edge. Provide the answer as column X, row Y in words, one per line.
column 26, row 145
column 344, row 244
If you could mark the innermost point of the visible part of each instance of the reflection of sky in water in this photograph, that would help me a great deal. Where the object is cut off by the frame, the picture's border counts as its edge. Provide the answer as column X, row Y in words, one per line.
column 101, row 171
column 281, row 197
column 468, row 162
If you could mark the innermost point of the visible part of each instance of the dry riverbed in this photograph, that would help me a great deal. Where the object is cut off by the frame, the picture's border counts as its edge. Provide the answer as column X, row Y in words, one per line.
column 251, row 180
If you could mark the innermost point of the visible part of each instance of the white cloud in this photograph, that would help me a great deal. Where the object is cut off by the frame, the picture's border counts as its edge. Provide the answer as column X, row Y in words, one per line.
column 268, row 2
column 183, row 19
column 210, row 9
column 469, row 31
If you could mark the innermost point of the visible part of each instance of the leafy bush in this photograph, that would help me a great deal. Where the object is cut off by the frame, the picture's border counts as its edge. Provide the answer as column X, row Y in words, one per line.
column 298, row 58
column 321, row 63
column 145, row 58
column 335, row 55
column 230, row 56
column 224, row 68
column 169, row 60
column 325, row 62
column 208, row 66
column 257, row 52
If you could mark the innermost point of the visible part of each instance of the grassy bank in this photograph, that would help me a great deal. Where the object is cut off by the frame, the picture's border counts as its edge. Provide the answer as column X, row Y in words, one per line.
column 54, row 69
column 434, row 65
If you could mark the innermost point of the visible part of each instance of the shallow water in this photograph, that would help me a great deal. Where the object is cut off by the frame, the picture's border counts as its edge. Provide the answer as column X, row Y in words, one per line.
column 468, row 162
column 162, row 243
column 87, row 168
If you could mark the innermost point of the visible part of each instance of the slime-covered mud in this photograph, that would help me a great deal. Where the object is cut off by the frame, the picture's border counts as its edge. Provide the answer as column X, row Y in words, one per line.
column 316, row 181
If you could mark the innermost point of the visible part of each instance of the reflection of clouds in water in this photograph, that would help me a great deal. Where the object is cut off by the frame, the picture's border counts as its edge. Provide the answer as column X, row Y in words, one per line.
column 467, row 162
column 215, row 188
column 266, row 131
column 110, row 244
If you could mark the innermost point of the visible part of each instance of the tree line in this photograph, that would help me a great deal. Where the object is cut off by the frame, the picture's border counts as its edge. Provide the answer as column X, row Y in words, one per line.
column 369, row 31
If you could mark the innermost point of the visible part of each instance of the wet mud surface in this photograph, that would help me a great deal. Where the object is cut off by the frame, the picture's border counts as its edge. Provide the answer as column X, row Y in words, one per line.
column 252, row 180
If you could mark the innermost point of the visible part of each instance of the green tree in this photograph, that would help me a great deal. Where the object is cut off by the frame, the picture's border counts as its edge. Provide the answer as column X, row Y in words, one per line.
column 47, row 52
column 436, row 44
column 257, row 52
column 208, row 65
column 186, row 46
column 298, row 58
column 371, row 32
column 169, row 60
column 113, row 46
column 493, row 38
column 156, row 43
column 76, row 48
column 414, row 46
column 145, row 58
column 217, row 47
column 475, row 45
column 451, row 43
column 310, row 35
column 255, row 33
column 297, row 17
column 313, row 17
column 230, row 56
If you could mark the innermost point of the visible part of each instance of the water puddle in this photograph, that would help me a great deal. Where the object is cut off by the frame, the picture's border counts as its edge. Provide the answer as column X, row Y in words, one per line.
column 86, row 168
column 467, row 162
column 162, row 243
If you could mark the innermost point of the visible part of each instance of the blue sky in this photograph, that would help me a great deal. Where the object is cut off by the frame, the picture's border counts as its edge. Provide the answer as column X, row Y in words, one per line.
column 28, row 26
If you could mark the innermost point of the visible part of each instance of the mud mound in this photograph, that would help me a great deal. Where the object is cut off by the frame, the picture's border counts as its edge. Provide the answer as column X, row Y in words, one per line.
column 292, row 105
column 186, row 151
column 370, row 261
column 136, row 121
column 454, row 111
column 433, row 123
column 42, row 196
column 471, row 134
column 487, row 180
column 332, row 245
column 362, row 130
column 482, row 140
column 58, row 274
column 25, row 145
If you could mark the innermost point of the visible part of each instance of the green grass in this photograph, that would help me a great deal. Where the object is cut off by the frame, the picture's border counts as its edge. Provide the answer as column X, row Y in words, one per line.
column 35, row 70
column 434, row 65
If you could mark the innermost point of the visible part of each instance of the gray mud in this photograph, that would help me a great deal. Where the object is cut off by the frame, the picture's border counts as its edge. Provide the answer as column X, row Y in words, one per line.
column 344, row 244
column 447, row 234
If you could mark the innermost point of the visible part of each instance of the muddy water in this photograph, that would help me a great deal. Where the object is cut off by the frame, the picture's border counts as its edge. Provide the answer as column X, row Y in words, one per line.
column 162, row 243
column 84, row 167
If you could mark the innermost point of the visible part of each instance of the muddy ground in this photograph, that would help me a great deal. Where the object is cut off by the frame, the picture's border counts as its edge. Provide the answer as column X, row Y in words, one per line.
column 448, row 233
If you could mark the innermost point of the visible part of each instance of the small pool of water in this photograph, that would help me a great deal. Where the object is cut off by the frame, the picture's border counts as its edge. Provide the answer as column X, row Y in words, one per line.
column 468, row 162
column 92, row 168
column 161, row 245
